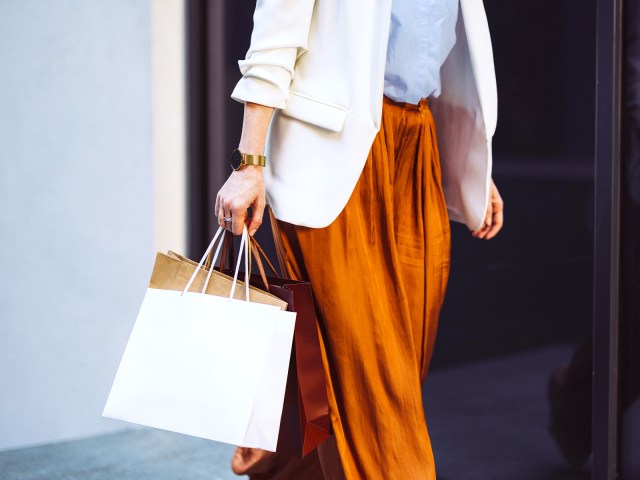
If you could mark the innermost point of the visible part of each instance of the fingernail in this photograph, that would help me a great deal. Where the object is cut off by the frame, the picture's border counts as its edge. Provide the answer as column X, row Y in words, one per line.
column 252, row 231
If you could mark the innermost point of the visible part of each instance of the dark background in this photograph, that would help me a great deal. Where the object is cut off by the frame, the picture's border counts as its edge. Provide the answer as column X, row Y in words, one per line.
column 531, row 286
column 630, row 251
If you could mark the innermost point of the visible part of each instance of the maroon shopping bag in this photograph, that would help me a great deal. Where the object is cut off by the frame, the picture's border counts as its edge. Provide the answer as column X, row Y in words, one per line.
column 305, row 419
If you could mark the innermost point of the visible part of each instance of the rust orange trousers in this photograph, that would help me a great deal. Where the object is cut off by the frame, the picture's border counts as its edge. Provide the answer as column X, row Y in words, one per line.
column 379, row 274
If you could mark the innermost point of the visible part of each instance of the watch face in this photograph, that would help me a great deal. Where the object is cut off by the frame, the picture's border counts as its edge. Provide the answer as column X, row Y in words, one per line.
column 236, row 159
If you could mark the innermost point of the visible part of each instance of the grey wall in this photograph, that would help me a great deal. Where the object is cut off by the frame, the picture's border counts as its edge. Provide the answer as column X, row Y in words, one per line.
column 75, row 208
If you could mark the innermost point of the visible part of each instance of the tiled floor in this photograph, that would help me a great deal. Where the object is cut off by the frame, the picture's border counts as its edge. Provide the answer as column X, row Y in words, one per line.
column 487, row 421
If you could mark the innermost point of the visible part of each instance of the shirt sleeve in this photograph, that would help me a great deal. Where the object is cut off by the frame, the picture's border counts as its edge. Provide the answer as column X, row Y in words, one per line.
column 280, row 35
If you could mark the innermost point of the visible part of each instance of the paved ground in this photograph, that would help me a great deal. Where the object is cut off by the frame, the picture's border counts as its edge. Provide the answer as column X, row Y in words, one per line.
column 487, row 421
column 131, row 455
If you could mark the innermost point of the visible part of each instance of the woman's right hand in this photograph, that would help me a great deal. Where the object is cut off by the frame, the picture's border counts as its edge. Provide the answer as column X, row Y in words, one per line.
column 243, row 189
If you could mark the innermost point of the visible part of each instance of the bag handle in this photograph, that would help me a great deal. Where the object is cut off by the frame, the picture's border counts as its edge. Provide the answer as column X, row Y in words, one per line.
column 277, row 241
column 206, row 254
column 227, row 255
column 258, row 252
column 222, row 242
column 243, row 243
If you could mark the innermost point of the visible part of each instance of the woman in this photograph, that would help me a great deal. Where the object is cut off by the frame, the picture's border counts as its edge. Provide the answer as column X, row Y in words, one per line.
column 339, row 95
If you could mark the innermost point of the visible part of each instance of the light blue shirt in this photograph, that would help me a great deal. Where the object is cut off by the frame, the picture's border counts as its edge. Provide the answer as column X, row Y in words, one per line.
column 421, row 36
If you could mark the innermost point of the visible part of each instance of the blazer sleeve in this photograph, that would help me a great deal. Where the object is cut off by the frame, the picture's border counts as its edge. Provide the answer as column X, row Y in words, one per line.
column 280, row 35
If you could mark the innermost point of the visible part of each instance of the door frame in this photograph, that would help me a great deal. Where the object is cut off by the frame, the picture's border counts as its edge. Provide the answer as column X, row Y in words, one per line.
column 606, row 326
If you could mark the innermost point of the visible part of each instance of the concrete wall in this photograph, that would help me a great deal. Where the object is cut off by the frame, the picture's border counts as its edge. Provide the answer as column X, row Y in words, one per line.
column 76, row 208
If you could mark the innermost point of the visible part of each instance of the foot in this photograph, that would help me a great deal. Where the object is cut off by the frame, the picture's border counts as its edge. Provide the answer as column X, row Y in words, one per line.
column 253, row 461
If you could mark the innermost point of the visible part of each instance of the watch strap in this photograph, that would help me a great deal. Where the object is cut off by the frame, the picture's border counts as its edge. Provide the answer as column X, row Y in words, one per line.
column 253, row 159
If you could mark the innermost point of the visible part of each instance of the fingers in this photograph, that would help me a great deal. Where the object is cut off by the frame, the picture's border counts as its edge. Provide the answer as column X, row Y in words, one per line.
column 494, row 218
column 256, row 218
column 238, row 217
column 221, row 219
column 497, row 224
column 219, row 212
column 224, row 211
column 235, row 213
column 242, row 189
column 484, row 229
column 497, row 206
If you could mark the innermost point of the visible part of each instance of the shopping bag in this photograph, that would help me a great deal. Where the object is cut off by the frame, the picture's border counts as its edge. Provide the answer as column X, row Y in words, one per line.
column 305, row 419
column 210, row 366
column 172, row 271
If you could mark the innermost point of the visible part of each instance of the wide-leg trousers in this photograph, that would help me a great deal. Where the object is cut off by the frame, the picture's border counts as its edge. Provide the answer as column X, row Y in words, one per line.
column 379, row 274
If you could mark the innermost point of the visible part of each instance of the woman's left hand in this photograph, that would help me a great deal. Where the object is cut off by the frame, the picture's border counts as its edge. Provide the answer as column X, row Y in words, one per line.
column 495, row 215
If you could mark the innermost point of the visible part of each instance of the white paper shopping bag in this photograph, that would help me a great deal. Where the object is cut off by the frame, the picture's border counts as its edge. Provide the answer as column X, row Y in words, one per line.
column 206, row 366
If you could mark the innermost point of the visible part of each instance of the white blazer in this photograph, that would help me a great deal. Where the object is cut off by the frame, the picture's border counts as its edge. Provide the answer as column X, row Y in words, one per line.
column 321, row 64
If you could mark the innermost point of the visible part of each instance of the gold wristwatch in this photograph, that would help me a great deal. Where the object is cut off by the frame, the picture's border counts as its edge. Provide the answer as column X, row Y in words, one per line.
column 239, row 159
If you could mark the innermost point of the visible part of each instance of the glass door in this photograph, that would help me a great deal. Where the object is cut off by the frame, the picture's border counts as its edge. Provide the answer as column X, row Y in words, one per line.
column 509, row 393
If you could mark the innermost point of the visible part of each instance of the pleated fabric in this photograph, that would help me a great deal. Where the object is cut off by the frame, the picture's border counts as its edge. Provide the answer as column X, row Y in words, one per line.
column 379, row 274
